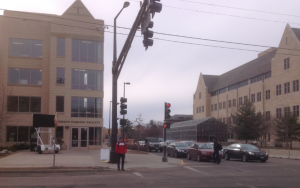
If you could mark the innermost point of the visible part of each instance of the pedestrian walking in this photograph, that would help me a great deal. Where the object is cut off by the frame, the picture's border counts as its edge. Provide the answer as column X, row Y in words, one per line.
column 121, row 149
column 217, row 148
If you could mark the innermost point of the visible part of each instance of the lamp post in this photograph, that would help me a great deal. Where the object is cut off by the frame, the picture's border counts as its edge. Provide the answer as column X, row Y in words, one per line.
column 113, row 156
column 125, row 83
column 109, row 118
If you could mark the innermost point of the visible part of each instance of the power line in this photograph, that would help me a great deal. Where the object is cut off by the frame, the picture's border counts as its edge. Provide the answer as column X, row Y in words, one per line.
column 240, row 8
column 153, row 38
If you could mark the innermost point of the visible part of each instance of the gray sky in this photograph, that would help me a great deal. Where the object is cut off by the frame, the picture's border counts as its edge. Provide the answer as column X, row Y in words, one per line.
column 169, row 72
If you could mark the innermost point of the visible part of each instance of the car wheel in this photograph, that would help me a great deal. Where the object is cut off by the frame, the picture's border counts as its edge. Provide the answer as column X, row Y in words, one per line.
column 227, row 157
column 149, row 150
column 56, row 151
column 263, row 161
column 188, row 156
column 198, row 158
column 244, row 158
column 175, row 154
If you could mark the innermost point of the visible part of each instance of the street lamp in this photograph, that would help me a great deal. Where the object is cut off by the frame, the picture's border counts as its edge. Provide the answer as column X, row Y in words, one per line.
column 125, row 83
column 113, row 155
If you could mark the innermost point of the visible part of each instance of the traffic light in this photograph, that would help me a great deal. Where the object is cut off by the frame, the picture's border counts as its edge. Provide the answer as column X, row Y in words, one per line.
column 146, row 23
column 167, row 110
column 123, row 122
column 123, row 106
column 166, row 125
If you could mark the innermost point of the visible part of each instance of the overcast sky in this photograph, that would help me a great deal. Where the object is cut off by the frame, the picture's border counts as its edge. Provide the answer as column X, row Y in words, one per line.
column 168, row 71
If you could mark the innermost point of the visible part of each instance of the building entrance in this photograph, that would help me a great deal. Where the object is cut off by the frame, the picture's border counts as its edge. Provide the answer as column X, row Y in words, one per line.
column 79, row 137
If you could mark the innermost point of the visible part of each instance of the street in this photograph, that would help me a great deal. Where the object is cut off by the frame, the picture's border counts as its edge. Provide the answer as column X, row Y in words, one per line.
column 275, row 173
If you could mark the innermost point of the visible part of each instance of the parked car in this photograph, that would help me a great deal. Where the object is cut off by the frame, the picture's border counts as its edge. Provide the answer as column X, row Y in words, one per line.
column 153, row 144
column 141, row 143
column 245, row 152
column 201, row 151
column 177, row 149
column 171, row 141
column 189, row 143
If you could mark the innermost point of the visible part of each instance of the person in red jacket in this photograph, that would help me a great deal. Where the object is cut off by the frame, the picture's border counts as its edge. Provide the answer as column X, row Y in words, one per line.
column 121, row 149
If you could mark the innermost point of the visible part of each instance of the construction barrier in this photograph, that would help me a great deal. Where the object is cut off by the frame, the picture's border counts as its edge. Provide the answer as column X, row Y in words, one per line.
column 294, row 154
column 279, row 153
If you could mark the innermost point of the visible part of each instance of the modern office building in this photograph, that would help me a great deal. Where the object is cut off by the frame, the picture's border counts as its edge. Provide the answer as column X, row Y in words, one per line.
column 270, row 81
column 48, row 64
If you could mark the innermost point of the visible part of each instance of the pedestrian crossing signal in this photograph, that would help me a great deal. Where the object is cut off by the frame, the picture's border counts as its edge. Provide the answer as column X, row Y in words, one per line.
column 167, row 125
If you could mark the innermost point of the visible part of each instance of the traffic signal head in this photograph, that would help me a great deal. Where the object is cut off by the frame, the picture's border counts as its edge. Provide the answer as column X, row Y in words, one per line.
column 167, row 125
column 123, row 122
column 123, row 106
column 155, row 7
column 167, row 110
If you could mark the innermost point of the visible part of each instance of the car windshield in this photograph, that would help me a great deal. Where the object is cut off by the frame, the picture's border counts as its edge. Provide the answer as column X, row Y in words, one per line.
column 153, row 140
column 248, row 146
column 205, row 146
column 189, row 143
column 178, row 144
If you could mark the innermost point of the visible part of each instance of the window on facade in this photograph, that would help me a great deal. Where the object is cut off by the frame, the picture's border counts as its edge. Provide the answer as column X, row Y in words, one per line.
column 286, row 63
column 87, row 51
column 19, row 133
column 202, row 108
column 95, row 135
column 23, row 104
column 220, row 106
column 278, row 112
column 268, row 115
column 267, row 75
column 252, row 98
column 258, row 96
column 60, row 104
column 224, row 105
column 229, row 103
column 60, row 132
column 214, row 93
column 212, row 108
column 278, row 89
column 86, row 107
column 256, row 79
column 60, row 48
column 232, row 87
column 286, row 87
column 245, row 99
column 24, row 76
column 199, row 109
column 216, row 107
column 243, row 83
column 240, row 101
column 286, row 111
column 295, row 85
column 25, row 48
column 234, row 102
column 222, row 90
column 200, row 95
column 87, row 79
column 60, row 75
column 296, row 110
column 268, row 94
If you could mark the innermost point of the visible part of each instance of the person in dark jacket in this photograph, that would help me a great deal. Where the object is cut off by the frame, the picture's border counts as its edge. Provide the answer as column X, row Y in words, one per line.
column 216, row 155
column 121, row 149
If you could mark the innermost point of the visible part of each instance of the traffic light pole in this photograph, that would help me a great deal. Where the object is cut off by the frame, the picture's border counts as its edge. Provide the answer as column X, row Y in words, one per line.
column 165, row 159
column 116, row 70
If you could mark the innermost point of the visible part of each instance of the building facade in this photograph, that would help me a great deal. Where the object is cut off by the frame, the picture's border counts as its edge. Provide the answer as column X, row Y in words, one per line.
column 271, row 82
column 49, row 64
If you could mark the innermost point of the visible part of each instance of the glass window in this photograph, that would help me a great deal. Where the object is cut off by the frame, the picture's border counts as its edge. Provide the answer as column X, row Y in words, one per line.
column 60, row 75
column 60, row 49
column 23, row 104
column 86, row 107
column 232, row 87
column 74, row 106
column 222, row 90
column 268, row 94
column 91, row 136
column 12, row 104
column 60, row 132
column 11, row 134
column 87, row 51
column 35, row 104
column 268, row 75
column 98, row 133
column 23, row 134
column 25, row 48
column 13, row 75
column 60, row 103
column 87, row 79
column 36, row 77
column 24, row 76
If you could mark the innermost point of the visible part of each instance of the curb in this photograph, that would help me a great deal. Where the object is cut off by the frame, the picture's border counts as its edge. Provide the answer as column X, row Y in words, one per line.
column 53, row 170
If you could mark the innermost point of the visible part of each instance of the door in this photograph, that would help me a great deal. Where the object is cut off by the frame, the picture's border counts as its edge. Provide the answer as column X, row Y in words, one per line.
column 79, row 137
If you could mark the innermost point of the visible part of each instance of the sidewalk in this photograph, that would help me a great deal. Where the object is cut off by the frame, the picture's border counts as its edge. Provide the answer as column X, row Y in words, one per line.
column 81, row 159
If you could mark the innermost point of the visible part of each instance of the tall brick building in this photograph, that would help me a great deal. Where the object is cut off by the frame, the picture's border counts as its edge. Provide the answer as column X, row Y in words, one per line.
column 49, row 64
column 270, row 81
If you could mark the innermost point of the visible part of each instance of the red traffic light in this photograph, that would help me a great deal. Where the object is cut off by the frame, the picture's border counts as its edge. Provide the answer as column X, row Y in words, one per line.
column 166, row 125
column 168, row 105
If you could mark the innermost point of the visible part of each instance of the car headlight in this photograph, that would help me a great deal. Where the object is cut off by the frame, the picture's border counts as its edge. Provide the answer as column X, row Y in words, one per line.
column 179, row 150
column 251, row 153
column 203, row 152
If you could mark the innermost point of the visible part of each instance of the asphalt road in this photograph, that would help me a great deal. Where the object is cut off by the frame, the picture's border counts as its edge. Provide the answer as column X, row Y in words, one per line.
column 275, row 173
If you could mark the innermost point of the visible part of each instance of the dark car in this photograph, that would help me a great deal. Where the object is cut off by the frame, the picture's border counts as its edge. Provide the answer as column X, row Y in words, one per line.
column 153, row 144
column 245, row 152
column 177, row 149
column 201, row 151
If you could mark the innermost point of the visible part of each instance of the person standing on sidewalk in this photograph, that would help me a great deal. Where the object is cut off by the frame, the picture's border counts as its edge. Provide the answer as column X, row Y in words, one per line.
column 216, row 155
column 121, row 149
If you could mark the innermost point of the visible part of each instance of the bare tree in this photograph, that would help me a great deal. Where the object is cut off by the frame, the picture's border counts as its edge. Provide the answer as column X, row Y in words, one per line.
column 3, row 111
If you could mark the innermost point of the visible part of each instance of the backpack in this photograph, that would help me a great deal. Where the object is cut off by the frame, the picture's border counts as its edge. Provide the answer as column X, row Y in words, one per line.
column 220, row 146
